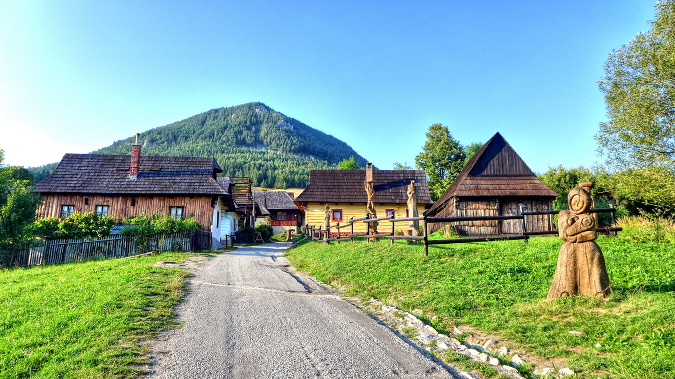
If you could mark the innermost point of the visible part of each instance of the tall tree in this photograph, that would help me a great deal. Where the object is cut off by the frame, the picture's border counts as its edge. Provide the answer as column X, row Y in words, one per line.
column 639, row 88
column 442, row 158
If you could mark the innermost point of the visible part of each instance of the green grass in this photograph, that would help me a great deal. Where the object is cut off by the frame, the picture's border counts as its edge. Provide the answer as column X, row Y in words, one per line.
column 501, row 287
column 86, row 320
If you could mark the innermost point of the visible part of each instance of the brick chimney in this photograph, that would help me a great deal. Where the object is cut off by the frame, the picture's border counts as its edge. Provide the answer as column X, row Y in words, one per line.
column 369, row 172
column 135, row 158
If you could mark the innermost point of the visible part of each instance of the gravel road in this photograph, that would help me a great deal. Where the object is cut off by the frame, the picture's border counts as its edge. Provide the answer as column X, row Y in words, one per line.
column 248, row 316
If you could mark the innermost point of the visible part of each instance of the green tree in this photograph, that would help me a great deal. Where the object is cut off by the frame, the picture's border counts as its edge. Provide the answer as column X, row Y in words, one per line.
column 402, row 166
column 17, row 211
column 470, row 150
column 639, row 136
column 442, row 158
column 349, row 164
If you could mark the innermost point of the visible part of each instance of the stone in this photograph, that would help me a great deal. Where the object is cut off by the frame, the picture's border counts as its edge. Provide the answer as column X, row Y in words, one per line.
column 489, row 344
column 493, row 361
column 483, row 357
column 576, row 333
column 516, row 360
column 598, row 346
column 473, row 352
column 566, row 372
column 442, row 345
column 468, row 375
column 511, row 370
column 456, row 330
column 503, row 351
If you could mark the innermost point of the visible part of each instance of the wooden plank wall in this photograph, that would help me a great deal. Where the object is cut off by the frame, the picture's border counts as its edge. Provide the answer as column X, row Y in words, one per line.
column 120, row 206
column 314, row 215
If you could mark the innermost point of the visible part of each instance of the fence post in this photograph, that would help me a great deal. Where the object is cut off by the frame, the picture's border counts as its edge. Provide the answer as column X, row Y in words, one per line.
column 391, row 240
column 337, row 238
column 351, row 222
column 426, row 236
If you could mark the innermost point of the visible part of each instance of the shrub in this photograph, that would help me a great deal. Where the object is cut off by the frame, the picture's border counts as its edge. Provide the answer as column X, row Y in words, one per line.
column 77, row 225
column 647, row 229
column 265, row 230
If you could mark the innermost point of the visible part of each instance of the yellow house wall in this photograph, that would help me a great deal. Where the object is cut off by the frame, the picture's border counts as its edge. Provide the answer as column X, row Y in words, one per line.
column 314, row 215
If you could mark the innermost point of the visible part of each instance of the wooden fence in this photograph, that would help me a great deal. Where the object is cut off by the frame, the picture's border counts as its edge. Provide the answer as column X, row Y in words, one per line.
column 327, row 236
column 55, row 251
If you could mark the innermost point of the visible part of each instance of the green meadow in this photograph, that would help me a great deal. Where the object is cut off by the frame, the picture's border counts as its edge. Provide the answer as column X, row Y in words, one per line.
column 500, row 288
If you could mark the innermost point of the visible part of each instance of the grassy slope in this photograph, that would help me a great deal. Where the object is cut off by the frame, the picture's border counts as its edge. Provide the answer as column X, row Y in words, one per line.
column 85, row 320
column 501, row 287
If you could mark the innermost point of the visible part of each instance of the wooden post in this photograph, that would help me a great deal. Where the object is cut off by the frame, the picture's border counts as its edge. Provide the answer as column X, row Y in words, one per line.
column 391, row 240
column 337, row 237
column 426, row 236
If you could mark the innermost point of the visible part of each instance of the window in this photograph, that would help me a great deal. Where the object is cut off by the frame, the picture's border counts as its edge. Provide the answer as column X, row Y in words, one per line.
column 337, row 215
column 176, row 212
column 281, row 216
column 390, row 212
column 67, row 210
column 102, row 210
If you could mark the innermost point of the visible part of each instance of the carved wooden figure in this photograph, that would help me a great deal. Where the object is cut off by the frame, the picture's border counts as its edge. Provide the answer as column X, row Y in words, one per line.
column 414, row 226
column 326, row 221
column 370, row 206
column 581, row 266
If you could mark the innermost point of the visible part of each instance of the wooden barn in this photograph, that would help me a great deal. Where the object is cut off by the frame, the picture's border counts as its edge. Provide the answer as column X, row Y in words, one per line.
column 121, row 186
column 343, row 191
column 280, row 209
column 495, row 182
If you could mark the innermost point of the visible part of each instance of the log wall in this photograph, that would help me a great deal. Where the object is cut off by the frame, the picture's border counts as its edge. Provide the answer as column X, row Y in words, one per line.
column 314, row 215
column 121, row 207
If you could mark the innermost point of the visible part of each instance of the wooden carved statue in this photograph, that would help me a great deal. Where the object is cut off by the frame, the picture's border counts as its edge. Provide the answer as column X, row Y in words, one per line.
column 581, row 266
column 414, row 226
column 326, row 220
column 370, row 208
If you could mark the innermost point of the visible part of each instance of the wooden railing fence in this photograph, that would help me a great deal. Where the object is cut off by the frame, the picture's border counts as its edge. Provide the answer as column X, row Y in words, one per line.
column 57, row 251
column 325, row 235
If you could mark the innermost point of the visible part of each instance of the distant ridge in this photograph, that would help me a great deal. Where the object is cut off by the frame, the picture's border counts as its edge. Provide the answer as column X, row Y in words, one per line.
column 251, row 140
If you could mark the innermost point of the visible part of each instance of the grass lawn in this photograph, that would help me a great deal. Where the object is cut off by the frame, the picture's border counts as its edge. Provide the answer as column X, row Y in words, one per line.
column 500, row 288
column 86, row 320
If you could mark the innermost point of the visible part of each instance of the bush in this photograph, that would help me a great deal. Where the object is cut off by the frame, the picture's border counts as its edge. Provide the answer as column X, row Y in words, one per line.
column 148, row 225
column 647, row 229
column 77, row 225
column 265, row 230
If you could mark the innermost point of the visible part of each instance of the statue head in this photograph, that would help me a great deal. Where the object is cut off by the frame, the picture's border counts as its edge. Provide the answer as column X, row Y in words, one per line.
column 579, row 200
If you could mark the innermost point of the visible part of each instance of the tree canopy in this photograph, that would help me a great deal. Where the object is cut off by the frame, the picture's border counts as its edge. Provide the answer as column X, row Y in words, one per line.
column 349, row 164
column 638, row 138
column 442, row 158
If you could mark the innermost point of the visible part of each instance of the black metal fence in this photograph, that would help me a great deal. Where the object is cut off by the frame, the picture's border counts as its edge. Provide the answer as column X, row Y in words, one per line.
column 56, row 251
column 327, row 236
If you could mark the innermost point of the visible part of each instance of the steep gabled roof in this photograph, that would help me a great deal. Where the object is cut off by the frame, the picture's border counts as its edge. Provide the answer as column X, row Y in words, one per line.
column 109, row 174
column 347, row 186
column 275, row 200
column 496, row 170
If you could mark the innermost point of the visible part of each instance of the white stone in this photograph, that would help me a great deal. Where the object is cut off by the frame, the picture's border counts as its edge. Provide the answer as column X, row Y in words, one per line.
column 503, row 351
column 454, row 341
column 473, row 352
column 483, row 357
column 517, row 360
column 468, row 375
column 493, row 361
column 456, row 330
column 566, row 372
column 488, row 344
column 442, row 345
column 576, row 333
column 511, row 370
column 598, row 346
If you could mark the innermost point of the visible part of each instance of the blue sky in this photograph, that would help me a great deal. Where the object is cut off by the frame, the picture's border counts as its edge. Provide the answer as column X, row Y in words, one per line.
column 78, row 75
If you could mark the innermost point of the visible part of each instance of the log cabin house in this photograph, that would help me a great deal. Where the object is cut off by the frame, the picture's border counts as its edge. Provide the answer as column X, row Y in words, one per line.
column 279, row 210
column 343, row 191
column 495, row 182
column 122, row 186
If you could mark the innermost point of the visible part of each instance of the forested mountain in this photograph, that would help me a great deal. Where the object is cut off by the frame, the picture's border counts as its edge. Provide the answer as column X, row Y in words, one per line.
column 247, row 140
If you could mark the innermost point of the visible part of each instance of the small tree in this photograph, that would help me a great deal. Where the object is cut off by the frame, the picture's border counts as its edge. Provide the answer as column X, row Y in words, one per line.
column 442, row 158
column 349, row 164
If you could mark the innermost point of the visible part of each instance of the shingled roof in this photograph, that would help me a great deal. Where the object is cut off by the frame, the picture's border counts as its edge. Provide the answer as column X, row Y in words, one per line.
column 275, row 200
column 496, row 170
column 109, row 174
column 346, row 186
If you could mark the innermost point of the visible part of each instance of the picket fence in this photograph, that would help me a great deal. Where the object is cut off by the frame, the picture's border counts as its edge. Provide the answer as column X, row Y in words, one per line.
column 58, row 251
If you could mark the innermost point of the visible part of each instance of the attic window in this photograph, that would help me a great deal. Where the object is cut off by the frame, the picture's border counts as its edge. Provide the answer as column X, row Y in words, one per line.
column 86, row 201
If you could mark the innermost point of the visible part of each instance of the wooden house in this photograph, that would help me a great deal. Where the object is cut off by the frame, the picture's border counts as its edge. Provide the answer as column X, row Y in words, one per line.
column 280, row 209
column 343, row 191
column 122, row 186
column 495, row 182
